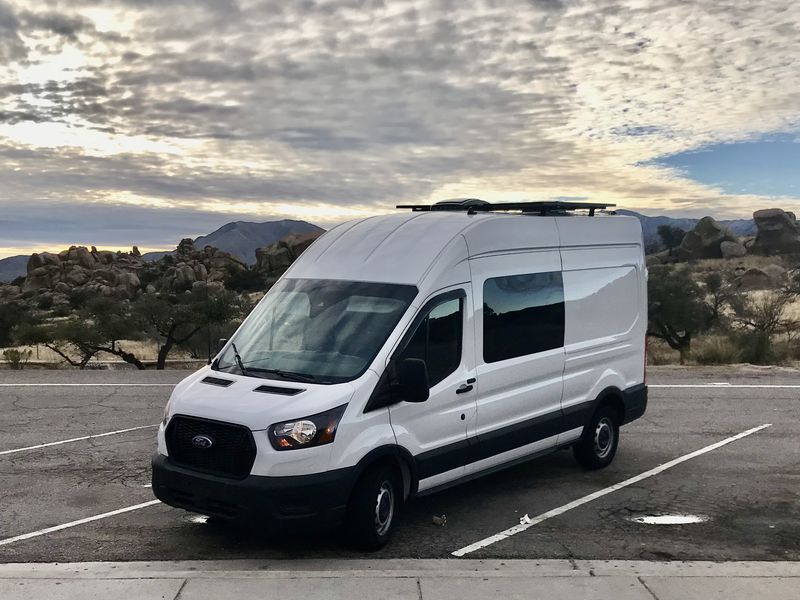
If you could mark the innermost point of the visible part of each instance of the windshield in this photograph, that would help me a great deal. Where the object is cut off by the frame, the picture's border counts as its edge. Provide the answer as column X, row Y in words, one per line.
column 316, row 330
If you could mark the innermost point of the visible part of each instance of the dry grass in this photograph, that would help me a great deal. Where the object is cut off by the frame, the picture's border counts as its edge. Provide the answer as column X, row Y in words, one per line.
column 143, row 350
column 659, row 353
column 715, row 350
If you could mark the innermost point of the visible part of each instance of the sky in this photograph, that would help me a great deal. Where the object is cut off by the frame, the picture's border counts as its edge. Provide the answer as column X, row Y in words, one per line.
column 144, row 121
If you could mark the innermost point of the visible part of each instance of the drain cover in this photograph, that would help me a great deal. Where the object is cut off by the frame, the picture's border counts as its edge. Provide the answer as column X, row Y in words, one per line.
column 669, row 519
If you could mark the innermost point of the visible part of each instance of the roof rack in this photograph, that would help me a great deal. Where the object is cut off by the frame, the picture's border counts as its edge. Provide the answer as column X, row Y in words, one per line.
column 475, row 205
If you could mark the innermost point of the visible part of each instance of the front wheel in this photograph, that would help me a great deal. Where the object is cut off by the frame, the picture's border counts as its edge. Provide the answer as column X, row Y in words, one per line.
column 373, row 508
column 598, row 444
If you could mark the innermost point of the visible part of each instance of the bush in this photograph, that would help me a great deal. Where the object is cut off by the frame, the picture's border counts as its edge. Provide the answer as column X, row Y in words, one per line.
column 247, row 280
column 659, row 353
column 756, row 347
column 716, row 350
column 17, row 359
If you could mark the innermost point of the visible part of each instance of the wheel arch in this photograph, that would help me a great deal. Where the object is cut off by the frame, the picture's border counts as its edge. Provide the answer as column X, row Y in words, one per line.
column 396, row 456
column 611, row 396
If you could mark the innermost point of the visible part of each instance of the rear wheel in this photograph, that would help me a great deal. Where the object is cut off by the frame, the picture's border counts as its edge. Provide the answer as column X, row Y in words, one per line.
column 598, row 444
column 373, row 508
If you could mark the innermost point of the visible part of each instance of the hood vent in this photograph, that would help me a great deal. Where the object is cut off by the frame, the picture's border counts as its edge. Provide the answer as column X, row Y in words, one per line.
column 271, row 389
column 216, row 381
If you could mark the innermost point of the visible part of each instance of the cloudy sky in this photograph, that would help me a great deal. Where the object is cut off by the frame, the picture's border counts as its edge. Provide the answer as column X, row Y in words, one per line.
column 144, row 121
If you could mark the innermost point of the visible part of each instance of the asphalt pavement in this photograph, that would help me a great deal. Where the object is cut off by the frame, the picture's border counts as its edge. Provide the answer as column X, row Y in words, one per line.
column 72, row 501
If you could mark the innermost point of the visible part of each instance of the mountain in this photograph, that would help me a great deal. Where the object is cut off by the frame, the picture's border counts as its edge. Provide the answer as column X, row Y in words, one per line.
column 241, row 238
column 13, row 267
column 650, row 225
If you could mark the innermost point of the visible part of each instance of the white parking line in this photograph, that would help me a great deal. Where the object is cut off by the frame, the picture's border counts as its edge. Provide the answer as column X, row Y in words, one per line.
column 88, row 384
column 33, row 534
column 722, row 385
column 503, row 535
column 77, row 439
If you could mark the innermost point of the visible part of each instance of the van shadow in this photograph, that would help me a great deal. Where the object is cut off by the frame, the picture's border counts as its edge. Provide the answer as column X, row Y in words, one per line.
column 490, row 503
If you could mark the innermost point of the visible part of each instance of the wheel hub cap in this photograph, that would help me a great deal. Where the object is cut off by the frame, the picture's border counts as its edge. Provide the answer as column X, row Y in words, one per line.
column 603, row 437
column 384, row 508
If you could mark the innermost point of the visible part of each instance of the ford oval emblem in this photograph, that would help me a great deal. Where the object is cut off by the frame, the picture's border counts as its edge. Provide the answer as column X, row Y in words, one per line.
column 202, row 441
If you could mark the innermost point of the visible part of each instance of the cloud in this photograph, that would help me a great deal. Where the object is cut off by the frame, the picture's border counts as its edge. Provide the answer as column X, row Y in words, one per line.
column 346, row 106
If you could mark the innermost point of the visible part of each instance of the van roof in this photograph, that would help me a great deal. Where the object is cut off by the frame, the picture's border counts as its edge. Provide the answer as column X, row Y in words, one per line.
column 401, row 248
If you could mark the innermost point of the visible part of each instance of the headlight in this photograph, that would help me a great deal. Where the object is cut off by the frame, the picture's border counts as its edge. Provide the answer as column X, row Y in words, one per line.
column 166, row 413
column 315, row 430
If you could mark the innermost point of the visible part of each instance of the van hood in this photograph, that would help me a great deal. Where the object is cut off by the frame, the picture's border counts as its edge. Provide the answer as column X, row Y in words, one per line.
column 207, row 394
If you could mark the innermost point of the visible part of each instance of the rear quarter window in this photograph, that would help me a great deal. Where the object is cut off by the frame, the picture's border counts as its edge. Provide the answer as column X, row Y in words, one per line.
column 600, row 303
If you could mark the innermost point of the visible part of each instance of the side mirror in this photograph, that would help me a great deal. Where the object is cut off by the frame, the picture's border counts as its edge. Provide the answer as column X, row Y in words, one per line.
column 412, row 377
column 220, row 345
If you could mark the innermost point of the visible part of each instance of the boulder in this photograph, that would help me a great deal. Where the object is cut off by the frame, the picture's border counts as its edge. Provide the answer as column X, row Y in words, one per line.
column 705, row 240
column 77, row 277
column 185, row 247
column 184, row 278
column 81, row 256
column 732, row 249
column 754, row 279
column 273, row 260
column 42, row 259
column 777, row 232
column 778, row 276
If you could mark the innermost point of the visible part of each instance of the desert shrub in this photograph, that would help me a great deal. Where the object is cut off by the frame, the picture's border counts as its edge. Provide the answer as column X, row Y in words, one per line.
column 45, row 302
column 757, row 347
column 716, row 350
column 247, row 280
column 17, row 359
column 659, row 353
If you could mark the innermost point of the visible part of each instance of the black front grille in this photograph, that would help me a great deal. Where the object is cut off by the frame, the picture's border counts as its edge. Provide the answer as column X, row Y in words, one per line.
column 231, row 453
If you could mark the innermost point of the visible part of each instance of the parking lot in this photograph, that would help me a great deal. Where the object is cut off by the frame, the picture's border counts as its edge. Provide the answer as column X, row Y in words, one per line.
column 746, row 493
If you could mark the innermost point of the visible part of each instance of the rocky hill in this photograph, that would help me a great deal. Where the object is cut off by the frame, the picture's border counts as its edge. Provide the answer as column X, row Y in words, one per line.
column 650, row 225
column 242, row 238
column 13, row 267
column 777, row 234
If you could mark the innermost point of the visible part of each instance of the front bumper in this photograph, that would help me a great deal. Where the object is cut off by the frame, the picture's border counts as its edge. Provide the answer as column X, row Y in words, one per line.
column 318, row 501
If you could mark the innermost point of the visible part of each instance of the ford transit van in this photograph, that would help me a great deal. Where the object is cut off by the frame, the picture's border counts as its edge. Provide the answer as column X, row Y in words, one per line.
column 406, row 353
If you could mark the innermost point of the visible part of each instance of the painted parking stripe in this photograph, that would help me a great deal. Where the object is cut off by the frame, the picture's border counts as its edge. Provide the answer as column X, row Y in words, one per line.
column 511, row 531
column 88, row 384
column 77, row 439
column 33, row 534
column 723, row 385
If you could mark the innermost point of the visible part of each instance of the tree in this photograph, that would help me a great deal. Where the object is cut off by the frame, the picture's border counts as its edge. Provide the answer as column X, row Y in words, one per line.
column 720, row 290
column 762, row 315
column 670, row 235
column 677, row 308
column 98, row 327
column 12, row 314
column 176, row 318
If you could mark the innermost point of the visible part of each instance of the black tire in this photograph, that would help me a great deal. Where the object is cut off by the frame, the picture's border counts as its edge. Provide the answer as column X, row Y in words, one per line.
column 373, row 509
column 598, row 444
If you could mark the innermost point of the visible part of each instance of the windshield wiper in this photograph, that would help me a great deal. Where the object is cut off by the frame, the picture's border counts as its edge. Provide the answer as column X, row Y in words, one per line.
column 238, row 359
column 290, row 375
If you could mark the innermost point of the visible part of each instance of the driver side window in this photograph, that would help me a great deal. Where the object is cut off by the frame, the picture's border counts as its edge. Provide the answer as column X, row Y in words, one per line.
column 437, row 340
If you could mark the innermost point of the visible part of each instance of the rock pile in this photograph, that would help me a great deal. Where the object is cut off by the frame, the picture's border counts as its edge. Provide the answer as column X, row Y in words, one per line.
column 120, row 275
column 705, row 241
column 273, row 260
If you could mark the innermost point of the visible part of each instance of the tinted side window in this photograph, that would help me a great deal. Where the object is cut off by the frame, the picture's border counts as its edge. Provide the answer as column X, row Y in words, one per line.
column 522, row 314
column 437, row 340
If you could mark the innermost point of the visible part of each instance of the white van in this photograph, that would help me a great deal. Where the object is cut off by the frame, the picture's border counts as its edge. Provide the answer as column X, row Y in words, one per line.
column 402, row 354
